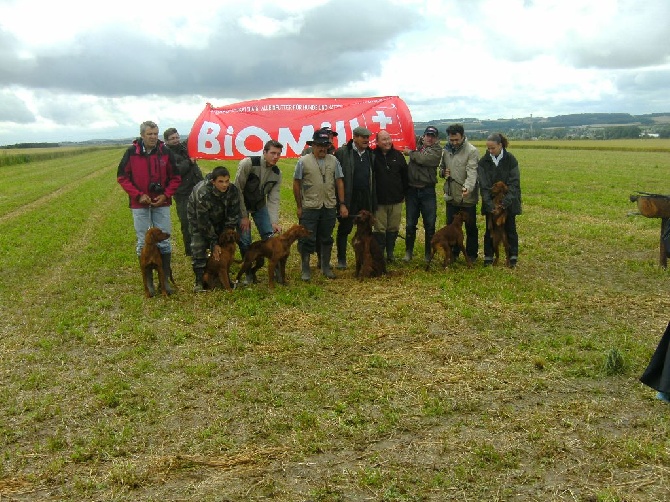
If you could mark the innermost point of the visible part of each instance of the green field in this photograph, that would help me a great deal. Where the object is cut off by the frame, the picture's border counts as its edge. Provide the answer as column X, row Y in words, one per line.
column 477, row 384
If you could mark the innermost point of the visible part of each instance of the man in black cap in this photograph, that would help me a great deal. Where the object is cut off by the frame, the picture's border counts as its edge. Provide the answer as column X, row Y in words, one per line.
column 317, row 186
column 421, row 198
column 357, row 160
column 331, row 150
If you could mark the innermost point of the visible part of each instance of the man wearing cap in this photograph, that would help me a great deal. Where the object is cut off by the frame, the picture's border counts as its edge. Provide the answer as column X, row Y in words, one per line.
column 421, row 198
column 331, row 150
column 317, row 186
column 459, row 167
column 331, row 134
column 357, row 160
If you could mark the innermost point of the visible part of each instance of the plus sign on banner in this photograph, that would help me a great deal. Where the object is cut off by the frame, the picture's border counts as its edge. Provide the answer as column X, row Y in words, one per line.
column 242, row 129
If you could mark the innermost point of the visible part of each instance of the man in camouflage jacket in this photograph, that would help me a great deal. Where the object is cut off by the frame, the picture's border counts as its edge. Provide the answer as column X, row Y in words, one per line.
column 214, row 205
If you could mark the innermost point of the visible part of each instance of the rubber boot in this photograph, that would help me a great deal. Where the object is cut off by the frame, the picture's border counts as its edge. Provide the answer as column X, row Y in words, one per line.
column 167, row 270
column 380, row 237
column 150, row 279
column 426, row 254
column 306, row 274
column 325, row 261
column 409, row 248
column 198, row 287
column 318, row 257
column 390, row 245
column 341, row 252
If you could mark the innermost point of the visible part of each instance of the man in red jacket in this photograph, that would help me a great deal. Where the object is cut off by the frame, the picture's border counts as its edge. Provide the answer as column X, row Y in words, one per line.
column 148, row 174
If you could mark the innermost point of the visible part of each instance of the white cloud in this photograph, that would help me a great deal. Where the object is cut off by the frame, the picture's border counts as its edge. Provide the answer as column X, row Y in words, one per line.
column 72, row 73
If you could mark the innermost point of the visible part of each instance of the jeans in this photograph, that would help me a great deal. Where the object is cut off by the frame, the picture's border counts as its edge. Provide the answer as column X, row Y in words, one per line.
column 152, row 217
column 471, row 231
column 420, row 201
column 263, row 225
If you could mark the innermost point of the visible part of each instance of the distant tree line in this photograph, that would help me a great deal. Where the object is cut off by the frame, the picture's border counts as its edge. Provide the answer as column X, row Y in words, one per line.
column 575, row 126
column 31, row 145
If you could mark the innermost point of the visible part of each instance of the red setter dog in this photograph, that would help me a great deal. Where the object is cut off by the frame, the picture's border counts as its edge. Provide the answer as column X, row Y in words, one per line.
column 369, row 256
column 217, row 272
column 448, row 237
column 276, row 250
column 496, row 222
column 150, row 260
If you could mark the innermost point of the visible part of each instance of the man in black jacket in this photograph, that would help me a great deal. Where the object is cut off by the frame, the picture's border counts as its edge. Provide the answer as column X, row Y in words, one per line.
column 357, row 161
column 190, row 175
column 390, row 169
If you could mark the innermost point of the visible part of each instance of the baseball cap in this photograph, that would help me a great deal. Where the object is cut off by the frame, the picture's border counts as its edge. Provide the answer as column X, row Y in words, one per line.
column 431, row 130
column 320, row 137
column 329, row 131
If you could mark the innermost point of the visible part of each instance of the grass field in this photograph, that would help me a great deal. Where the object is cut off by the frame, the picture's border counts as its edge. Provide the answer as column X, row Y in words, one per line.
column 466, row 384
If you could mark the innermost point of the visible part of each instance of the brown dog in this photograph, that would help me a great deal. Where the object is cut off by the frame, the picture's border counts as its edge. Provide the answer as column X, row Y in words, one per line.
column 496, row 222
column 150, row 260
column 369, row 255
column 448, row 237
column 276, row 250
column 217, row 272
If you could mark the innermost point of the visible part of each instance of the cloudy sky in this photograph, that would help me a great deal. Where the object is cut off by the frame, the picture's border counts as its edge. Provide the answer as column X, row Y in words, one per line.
column 77, row 70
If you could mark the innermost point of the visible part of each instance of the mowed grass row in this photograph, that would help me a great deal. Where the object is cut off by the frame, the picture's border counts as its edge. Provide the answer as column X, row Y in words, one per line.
column 479, row 384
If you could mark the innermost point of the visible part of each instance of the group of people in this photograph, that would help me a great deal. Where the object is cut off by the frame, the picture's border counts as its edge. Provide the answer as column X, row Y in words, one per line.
column 330, row 186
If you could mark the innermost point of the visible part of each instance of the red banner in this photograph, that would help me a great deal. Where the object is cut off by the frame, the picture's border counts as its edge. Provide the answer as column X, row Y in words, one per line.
column 242, row 129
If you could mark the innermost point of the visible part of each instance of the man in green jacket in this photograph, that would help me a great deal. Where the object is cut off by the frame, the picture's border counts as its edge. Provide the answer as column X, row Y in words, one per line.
column 421, row 198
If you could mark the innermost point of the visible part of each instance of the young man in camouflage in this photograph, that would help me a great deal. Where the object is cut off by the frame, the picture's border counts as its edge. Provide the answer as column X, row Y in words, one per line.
column 214, row 205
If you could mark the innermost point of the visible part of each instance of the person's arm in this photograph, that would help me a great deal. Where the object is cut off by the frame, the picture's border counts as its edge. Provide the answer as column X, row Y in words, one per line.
column 297, row 195
column 124, row 178
column 442, row 168
column 429, row 157
column 240, row 181
column 233, row 214
column 513, row 183
column 484, row 186
column 204, row 223
column 297, row 188
column 471, row 172
column 272, row 202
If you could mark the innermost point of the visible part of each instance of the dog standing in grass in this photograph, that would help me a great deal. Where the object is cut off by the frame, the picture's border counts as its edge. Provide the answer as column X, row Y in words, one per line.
column 276, row 250
column 151, row 259
column 447, row 238
column 500, row 165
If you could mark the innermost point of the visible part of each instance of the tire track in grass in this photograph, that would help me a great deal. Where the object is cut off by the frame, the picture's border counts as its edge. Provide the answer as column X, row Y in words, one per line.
column 28, row 306
column 46, row 199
